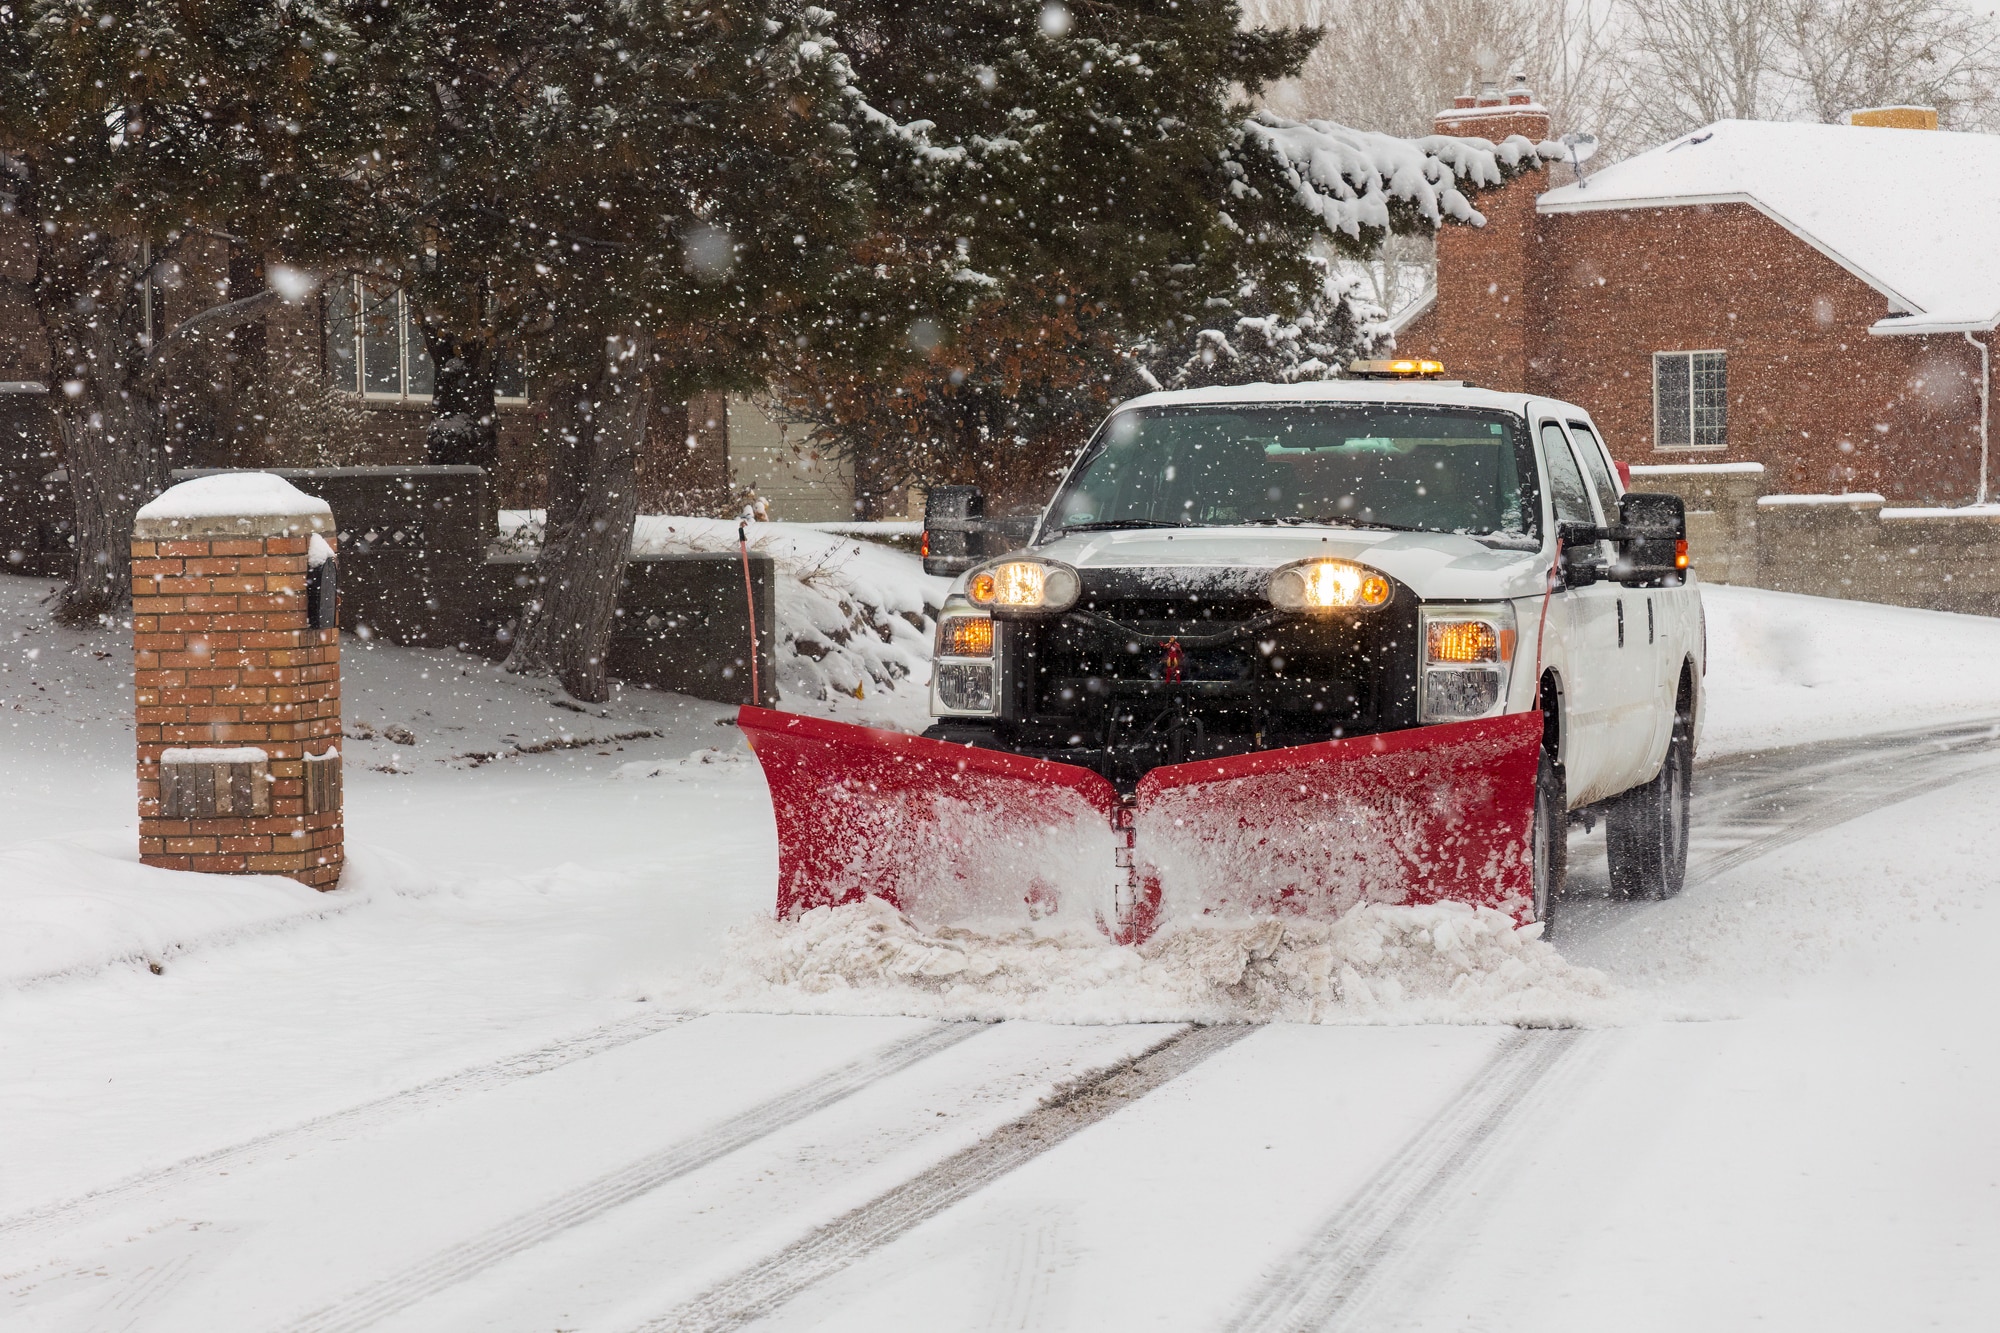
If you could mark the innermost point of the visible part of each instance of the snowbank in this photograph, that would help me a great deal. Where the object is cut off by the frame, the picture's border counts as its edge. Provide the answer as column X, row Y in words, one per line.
column 78, row 904
column 232, row 495
column 1447, row 963
column 1785, row 669
column 855, row 618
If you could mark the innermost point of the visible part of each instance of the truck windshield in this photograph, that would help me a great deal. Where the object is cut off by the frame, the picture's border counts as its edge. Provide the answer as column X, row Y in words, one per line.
column 1421, row 469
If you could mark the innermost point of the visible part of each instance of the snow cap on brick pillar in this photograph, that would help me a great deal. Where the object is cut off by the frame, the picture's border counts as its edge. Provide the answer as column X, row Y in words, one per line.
column 237, row 692
column 1486, row 314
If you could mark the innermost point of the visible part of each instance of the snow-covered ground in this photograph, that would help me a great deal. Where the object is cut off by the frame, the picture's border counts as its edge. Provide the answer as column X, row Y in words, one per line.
column 1785, row 669
column 514, row 1074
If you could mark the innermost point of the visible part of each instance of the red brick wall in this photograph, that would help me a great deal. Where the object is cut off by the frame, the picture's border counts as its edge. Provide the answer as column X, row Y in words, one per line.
column 1817, row 399
column 223, row 657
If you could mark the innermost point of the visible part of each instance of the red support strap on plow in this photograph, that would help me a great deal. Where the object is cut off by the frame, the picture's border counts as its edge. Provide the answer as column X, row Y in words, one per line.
column 959, row 835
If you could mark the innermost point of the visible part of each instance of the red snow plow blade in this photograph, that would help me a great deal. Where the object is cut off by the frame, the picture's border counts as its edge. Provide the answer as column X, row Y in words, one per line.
column 950, row 834
column 1415, row 816
column 959, row 835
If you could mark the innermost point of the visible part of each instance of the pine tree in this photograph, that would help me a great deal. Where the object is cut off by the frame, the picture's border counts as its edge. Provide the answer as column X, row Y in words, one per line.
column 1260, row 337
column 130, row 126
column 684, row 201
column 1109, row 192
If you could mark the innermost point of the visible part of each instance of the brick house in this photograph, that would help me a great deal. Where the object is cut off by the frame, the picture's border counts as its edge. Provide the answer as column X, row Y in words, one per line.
column 341, row 378
column 1819, row 299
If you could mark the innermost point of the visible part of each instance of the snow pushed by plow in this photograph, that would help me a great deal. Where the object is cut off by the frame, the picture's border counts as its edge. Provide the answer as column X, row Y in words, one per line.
column 1439, row 963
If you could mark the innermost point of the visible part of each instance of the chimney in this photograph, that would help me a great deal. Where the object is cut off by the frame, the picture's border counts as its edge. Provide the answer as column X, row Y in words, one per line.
column 1895, row 117
column 1486, row 317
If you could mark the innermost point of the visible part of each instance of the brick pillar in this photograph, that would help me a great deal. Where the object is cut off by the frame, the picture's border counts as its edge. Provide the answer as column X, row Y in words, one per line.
column 1487, row 318
column 226, row 666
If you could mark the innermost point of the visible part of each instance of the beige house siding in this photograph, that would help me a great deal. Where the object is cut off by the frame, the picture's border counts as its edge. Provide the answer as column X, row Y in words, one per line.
column 774, row 460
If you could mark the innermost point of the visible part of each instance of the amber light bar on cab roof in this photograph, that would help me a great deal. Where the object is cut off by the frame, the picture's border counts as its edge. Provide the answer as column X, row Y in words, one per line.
column 1402, row 368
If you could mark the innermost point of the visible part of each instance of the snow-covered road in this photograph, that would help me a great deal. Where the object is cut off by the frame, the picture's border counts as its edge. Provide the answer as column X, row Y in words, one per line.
column 435, row 1100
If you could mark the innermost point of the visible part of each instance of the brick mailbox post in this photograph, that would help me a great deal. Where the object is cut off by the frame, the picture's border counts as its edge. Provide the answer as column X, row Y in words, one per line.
column 237, row 675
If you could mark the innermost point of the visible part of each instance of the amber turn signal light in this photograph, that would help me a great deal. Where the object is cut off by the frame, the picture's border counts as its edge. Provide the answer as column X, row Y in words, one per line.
column 965, row 636
column 1467, row 641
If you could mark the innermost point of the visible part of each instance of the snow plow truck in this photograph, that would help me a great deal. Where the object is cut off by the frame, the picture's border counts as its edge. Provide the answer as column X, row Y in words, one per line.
column 1275, row 650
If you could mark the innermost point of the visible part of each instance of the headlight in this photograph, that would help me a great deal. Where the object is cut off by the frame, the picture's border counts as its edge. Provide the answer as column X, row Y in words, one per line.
column 1468, row 657
column 965, row 687
column 1327, row 585
column 1024, row 585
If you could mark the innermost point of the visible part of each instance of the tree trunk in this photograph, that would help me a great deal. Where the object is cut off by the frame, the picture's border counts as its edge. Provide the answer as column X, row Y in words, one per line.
column 109, row 430
column 597, row 427
column 87, row 288
column 109, row 379
column 113, row 422
column 465, row 424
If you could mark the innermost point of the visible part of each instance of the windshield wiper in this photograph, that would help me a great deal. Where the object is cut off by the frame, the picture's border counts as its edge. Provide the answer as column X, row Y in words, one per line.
column 1111, row 524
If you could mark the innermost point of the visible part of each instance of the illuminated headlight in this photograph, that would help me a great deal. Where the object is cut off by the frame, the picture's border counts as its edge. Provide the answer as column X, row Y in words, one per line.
column 1327, row 585
column 1023, row 585
column 1468, row 656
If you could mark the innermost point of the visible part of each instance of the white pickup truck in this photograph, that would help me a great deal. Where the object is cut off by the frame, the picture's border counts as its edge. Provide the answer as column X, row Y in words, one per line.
column 1477, row 549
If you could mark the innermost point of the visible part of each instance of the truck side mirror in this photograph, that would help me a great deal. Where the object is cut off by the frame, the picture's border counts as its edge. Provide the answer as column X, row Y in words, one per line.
column 952, row 515
column 1580, row 565
column 1652, row 542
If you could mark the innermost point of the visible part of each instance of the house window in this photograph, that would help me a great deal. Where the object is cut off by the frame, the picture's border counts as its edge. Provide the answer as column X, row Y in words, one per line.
column 1690, row 400
column 374, row 348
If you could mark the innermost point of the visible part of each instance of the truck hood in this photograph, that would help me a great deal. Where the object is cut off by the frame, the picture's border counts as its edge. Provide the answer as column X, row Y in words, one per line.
column 1436, row 566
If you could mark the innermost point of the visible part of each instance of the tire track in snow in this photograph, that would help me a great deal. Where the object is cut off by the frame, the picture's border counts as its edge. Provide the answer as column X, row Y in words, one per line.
column 455, row 1264
column 770, row 1283
column 1775, row 798
column 465, row 1082
column 1320, row 1283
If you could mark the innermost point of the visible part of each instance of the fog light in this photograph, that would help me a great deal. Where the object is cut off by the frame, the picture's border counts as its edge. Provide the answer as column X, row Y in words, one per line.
column 966, row 687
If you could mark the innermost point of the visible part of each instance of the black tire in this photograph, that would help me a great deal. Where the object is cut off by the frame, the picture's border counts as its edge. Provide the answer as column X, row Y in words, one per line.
column 1646, row 829
column 1548, row 844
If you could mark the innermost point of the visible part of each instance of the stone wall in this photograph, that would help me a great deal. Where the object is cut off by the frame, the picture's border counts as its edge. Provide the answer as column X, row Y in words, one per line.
column 1846, row 545
column 418, row 567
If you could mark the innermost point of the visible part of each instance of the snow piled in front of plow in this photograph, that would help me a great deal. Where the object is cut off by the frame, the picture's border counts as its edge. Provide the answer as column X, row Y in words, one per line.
column 1376, row 964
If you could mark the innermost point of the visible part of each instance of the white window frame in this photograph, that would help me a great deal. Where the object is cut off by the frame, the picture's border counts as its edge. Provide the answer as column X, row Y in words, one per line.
column 356, row 296
column 1694, row 444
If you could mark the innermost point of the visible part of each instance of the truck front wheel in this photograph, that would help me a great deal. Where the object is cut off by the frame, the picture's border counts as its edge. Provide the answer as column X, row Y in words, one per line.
column 1646, row 829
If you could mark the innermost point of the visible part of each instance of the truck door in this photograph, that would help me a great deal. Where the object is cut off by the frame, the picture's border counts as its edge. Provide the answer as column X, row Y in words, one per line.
column 1588, row 658
column 1638, row 720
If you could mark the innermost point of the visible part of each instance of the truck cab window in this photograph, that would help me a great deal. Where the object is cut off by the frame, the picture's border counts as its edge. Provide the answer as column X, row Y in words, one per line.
column 1566, row 489
column 1600, row 472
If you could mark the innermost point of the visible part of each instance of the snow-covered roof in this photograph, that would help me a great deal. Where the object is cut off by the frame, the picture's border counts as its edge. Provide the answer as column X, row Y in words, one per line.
column 1910, row 212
